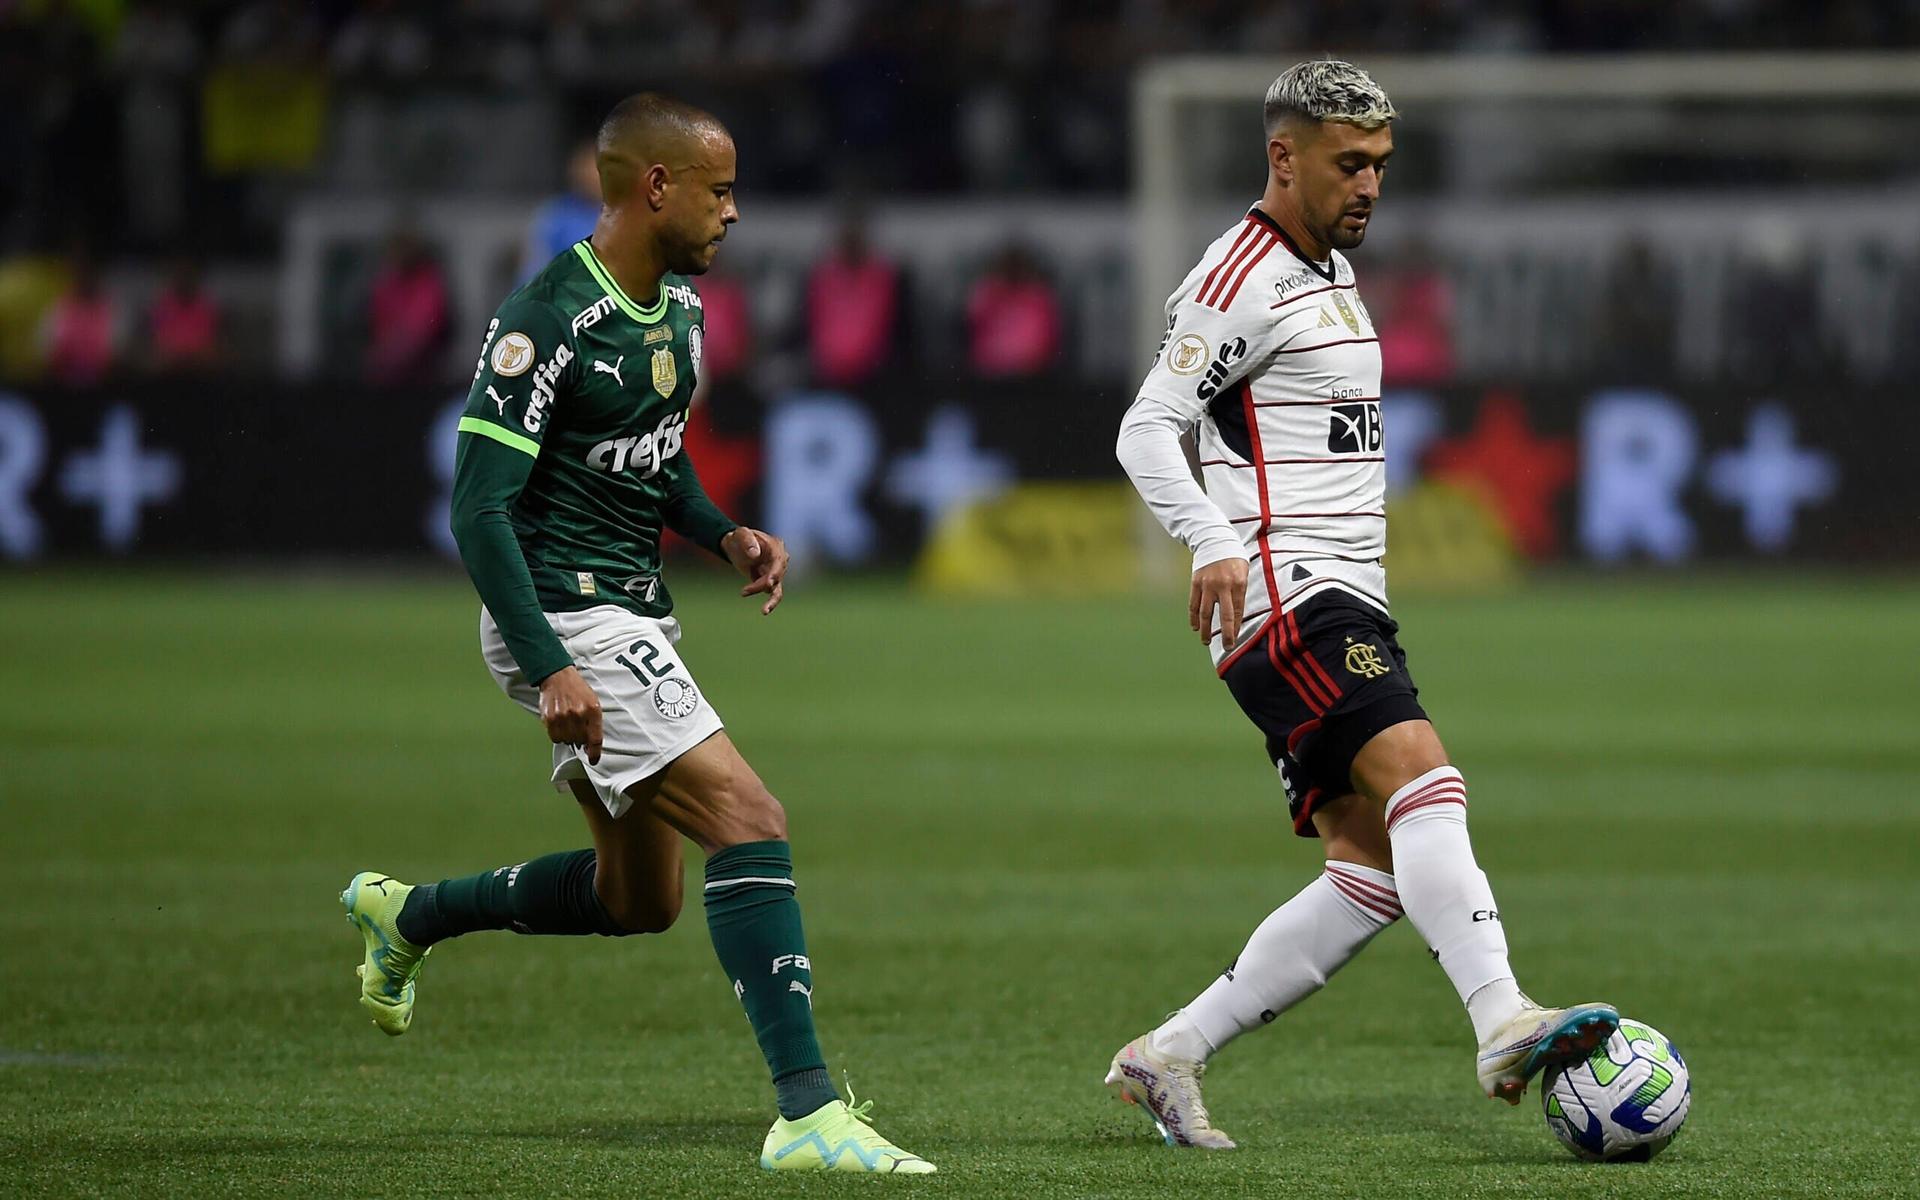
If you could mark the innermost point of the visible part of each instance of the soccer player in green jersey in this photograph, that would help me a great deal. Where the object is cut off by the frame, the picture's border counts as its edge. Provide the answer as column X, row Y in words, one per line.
column 570, row 462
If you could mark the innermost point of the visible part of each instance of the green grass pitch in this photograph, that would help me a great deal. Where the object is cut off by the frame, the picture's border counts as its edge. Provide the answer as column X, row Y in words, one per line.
column 1024, row 831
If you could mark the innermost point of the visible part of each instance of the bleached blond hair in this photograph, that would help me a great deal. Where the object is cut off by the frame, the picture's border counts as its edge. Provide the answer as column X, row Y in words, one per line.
column 1326, row 89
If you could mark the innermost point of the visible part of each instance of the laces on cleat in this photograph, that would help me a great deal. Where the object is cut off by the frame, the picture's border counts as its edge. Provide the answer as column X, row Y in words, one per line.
column 862, row 1113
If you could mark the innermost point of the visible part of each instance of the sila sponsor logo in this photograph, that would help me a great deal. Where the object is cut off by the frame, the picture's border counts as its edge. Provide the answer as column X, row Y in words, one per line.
column 1230, row 353
column 645, row 453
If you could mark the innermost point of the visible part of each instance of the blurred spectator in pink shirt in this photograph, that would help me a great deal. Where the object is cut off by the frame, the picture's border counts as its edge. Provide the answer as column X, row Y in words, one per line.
column 81, row 334
column 853, row 309
column 183, row 324
column 1413, row 312
column 408, row 309
column 728, row 327
column 1013, row 318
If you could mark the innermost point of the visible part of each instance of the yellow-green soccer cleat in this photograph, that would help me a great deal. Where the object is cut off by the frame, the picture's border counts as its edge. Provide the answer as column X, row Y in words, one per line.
column 836, row 1137
column 372, row 901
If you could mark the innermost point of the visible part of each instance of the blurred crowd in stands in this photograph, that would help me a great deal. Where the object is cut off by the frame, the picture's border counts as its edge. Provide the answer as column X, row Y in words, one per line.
column 173, row 135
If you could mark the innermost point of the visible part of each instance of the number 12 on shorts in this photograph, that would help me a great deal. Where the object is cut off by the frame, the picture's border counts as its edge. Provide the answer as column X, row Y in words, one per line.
column 649, row 669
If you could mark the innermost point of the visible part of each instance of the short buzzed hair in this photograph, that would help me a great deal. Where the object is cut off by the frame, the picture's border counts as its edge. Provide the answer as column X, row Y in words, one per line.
column 644, row 129
column 1327, row 89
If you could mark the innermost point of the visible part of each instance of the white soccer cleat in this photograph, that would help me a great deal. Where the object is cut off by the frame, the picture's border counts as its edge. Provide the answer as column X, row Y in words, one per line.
column 1537, row 1038
column 1169, row 1090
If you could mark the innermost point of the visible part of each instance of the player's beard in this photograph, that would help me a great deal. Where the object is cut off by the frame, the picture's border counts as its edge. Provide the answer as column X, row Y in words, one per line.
column 1342, row 238
column 692, row 257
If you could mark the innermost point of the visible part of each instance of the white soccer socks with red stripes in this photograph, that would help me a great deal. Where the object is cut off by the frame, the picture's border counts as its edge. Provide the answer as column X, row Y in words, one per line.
column 1288, row 958
column 1447, row 896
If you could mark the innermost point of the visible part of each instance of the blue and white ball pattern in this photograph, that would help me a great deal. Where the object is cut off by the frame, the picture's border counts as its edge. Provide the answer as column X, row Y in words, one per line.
column 1622, row 1103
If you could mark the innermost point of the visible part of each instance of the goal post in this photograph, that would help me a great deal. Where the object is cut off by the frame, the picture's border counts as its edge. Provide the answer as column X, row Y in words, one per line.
column 1189, row 111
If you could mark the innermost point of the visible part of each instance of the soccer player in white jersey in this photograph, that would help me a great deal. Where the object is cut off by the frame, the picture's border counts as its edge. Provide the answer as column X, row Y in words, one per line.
column 1271, row 362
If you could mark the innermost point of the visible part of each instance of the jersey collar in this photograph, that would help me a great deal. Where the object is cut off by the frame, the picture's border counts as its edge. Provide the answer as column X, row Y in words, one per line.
column 1327, row 272
column 646, row 316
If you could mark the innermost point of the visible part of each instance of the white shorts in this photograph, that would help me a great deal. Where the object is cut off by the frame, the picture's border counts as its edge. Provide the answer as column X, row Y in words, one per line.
column 651, row 712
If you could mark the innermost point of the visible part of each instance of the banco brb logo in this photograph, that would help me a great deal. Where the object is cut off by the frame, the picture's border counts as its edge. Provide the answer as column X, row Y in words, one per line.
column 1354, row 428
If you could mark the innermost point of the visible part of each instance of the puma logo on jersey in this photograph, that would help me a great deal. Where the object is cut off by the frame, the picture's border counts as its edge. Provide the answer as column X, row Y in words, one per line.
column 499, row 401
column 613, row 370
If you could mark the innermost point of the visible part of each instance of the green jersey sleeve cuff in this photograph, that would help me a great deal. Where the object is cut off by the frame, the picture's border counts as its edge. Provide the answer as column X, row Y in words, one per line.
column 506, row 437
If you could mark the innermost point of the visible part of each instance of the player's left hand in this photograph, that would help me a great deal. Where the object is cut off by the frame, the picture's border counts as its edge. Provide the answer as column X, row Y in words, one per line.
column 763, row 559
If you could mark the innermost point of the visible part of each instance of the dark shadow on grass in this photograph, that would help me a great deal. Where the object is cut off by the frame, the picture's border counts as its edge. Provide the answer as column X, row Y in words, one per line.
column 730, row 1132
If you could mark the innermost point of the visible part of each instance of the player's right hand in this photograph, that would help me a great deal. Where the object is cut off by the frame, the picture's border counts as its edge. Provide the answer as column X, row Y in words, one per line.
column 570, row 711
column 1223, row 586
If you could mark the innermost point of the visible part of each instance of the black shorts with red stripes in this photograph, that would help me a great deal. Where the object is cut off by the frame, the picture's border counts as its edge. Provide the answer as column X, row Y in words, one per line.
column 1324, row 679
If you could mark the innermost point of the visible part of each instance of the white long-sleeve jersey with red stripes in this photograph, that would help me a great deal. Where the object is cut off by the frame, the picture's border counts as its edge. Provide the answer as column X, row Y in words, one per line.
column 1272, row 362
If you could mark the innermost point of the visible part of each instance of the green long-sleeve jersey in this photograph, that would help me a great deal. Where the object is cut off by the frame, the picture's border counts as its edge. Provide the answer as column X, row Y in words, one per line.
column 570, row 457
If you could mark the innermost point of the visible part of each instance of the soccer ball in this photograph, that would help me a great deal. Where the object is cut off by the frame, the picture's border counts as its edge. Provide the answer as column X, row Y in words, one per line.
column 1622, row 1103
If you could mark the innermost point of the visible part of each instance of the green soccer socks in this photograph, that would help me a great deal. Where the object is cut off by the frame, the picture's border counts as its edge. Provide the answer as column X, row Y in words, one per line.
column 549, row 895
column 755, row 923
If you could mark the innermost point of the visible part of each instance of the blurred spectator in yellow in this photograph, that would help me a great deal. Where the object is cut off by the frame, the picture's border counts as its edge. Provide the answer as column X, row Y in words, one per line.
column 82, row 334
column 728, row 331
column 183, row 323
column 853, row 310
column 408, row 313
column 564, row 219
column 1013, row 317
column 29, row 286
column 1414, row 318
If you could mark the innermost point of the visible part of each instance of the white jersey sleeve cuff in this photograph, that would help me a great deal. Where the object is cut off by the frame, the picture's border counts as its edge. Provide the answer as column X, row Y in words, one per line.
column 1218, row 550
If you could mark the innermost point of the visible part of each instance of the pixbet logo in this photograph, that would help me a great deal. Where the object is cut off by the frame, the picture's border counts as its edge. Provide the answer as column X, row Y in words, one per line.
column 645, row 453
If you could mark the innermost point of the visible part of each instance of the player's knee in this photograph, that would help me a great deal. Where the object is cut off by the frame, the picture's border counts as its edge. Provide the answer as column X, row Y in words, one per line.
column 760, row 816
column 645, row 910
column 740, row 809
column 1354, row 829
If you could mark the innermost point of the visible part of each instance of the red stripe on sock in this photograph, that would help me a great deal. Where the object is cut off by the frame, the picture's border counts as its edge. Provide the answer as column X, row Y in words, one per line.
column 1421, row 797
column 1407, row 810
column 1388, row 900
column 1445, row 782
column 1380, row 889
column 1362, row 900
